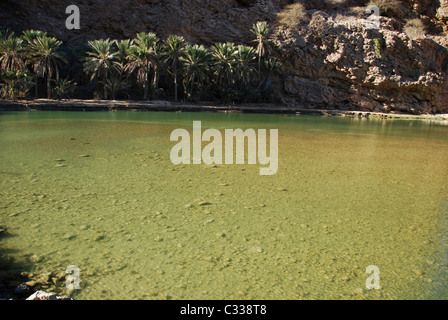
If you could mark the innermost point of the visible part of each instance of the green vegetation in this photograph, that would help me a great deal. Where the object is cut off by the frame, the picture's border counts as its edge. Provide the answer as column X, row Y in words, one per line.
column 16, row 84
column 62, row 88
column 261, row 32
column 141, row 67
column 101, row 61
column 377, row 47
column 174, row 49
column 196, row 62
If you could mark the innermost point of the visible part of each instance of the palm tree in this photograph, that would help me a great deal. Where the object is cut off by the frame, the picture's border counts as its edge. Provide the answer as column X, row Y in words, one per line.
column 196, row 62
column 29, row 36
column 100, row 61
column 123, row 50
column 119, row 79
column 174, row 49
column 45, row 58
column 224, row 63
column 16, row 84
column 157, row 61
column 11, row 52
column 140, row 57
column 245, row 57
column 63, row 88
column 270, row 66
column 261, row 31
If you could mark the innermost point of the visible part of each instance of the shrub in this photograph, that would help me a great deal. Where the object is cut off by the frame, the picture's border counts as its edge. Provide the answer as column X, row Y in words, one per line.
column 17, row 84
column 63, row 88
column 377, row 47
column 415, row 29
column 293, row 15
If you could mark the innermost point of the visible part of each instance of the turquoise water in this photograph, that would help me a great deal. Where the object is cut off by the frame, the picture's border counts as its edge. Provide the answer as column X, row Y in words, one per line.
column 98, row 190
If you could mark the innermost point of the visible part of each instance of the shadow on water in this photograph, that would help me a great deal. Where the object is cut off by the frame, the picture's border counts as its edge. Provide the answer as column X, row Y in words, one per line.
column 11, row 270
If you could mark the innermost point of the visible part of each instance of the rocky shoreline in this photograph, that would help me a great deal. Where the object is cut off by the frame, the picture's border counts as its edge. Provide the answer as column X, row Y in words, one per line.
column 166, row 106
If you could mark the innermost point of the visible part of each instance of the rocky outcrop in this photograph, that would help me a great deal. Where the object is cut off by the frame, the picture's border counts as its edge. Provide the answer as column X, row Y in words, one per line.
column 342, row 64
column 329, row 61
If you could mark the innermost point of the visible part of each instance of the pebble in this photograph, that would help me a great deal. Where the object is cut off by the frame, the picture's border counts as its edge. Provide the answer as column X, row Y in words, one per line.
column 31, row 283
column 99, row 237
column 257, row 249
column 359, row 291
column 15, row 214
column 35, row 258
column 69, row 237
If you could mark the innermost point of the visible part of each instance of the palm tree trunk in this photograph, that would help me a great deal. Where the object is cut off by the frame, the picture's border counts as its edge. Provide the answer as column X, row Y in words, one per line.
column 192, row 86
column 145, row 84
column 155, row 81
column 105, row 84
column 36, row 89
column 48, row 86
column 145, row 88
column 175, row 81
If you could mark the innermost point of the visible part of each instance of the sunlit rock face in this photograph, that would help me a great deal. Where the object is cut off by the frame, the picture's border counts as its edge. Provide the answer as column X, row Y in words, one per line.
column 330, row 61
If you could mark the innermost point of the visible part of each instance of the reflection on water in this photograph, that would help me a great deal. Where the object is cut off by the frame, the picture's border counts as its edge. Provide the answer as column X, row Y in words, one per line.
column 98, row 190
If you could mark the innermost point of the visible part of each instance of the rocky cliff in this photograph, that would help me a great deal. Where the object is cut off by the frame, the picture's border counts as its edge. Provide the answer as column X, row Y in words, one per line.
column 330, row 59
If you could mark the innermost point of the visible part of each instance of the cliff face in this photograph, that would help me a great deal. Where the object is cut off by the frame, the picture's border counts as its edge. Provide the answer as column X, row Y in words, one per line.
column 341, row 63
column 202, row 21
column 331, row 60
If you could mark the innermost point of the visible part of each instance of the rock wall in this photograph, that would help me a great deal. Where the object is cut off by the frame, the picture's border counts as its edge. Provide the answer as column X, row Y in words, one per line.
column 330, row 61
column 342, row 64
column 205, row 21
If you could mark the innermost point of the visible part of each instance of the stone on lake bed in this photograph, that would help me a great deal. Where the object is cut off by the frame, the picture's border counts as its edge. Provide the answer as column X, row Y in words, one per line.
column 99, row 237
column 35, row 258
column 256, row 249
column 31, row 283
column 69, row 237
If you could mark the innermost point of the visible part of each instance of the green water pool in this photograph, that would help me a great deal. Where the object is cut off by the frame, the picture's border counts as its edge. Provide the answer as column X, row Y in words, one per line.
column 98, row 191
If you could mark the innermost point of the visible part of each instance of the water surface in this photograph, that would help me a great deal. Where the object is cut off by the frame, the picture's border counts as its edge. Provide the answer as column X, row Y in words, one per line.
column 98, row 190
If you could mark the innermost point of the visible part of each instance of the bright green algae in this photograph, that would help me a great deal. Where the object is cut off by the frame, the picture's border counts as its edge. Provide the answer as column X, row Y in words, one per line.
column 98, row 190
